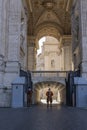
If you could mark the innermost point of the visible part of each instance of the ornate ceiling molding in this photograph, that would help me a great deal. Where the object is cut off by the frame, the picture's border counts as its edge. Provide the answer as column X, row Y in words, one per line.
column 47, row 30
column 49, row 26
column 48, row 16
column 48, row 4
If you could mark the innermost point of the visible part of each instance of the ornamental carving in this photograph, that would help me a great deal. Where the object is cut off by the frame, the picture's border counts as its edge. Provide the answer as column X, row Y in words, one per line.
column 48, row 4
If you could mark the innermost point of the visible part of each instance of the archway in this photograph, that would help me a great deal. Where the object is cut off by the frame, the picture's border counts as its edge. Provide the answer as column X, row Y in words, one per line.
column 49, row 55
column 58, row 89
column 48, row 29
column 54, row 61
column 40, row 18
column 48, row 21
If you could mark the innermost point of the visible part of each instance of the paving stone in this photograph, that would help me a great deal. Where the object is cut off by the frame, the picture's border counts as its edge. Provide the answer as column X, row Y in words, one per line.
column 41, row 118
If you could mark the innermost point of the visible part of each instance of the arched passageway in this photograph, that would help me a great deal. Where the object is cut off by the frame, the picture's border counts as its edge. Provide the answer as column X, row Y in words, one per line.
column 29, row 21
column 58, row 89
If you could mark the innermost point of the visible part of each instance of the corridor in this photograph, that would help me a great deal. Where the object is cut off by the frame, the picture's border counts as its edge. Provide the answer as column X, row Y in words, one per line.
column 41, row 118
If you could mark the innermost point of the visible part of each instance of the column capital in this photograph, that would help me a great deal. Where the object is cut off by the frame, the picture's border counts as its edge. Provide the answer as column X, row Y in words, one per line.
column 66, row 40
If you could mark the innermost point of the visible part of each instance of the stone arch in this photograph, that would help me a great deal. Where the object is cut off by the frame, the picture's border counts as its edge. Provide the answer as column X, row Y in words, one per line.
column 44, row 28
column 48, row 29
column 41, row 88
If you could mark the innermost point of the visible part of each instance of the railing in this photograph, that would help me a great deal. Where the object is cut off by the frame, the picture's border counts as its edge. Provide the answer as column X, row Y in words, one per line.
column 49, row 74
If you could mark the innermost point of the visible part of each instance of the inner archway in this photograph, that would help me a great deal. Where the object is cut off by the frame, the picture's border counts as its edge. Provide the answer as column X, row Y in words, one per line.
column 52, row 56
column 58, row 89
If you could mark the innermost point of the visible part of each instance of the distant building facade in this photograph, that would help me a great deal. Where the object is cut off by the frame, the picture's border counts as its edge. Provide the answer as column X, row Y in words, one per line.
column 52, row 57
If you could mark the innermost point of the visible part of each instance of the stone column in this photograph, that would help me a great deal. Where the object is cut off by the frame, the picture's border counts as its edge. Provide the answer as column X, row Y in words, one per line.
column 1, row 11
column 31, row 53
column 23, row 41
column 3, row 23
column 14, row 30
column 1, row 55
column 14, row 22
column 67, row 51
column 76, row 46
column 3, row 49
column 83, row 36
column 12, row 53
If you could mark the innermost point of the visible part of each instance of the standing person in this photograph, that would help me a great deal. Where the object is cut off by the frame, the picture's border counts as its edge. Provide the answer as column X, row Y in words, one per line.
column 49, row 95
column 29, row 97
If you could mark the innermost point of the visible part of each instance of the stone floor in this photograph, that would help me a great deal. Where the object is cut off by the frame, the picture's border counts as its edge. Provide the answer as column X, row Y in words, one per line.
column 41, row 118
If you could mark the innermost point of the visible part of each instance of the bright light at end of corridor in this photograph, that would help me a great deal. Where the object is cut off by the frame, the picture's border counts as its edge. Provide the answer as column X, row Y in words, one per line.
column 45, row 102
column 40, row 44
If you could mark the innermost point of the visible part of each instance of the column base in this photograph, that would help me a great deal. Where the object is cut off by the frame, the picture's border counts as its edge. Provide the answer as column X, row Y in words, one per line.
column 84, row 69
column 81, row 91
column 5, row 98
column 11, row 72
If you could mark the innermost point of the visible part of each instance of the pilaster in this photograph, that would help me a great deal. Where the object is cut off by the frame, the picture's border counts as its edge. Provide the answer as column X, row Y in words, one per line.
column 1, row 10
column 14, row 23
column 4, row 93
column 3, row 25
column 1, row 55
column 14, row 30
column 83, row 36
column 75, row 29
column 31, row 53
column 67, row 52
column 23, row 38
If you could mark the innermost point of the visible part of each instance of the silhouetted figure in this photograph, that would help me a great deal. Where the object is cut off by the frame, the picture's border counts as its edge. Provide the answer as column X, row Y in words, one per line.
column 49, row 95
column 29, row 97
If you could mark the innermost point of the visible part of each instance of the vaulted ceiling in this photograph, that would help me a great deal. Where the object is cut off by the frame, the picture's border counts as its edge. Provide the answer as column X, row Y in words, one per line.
column 49, row 17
